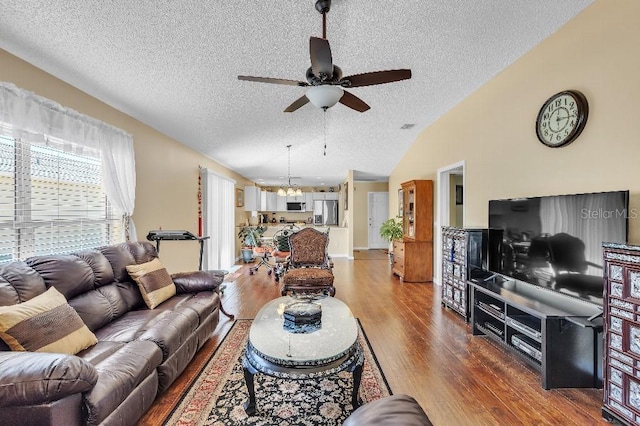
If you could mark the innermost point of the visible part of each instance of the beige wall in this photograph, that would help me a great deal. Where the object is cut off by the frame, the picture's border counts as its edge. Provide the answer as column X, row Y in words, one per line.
column 455, row 210
column 360, row 205
column 493, row 130
column 167, row 171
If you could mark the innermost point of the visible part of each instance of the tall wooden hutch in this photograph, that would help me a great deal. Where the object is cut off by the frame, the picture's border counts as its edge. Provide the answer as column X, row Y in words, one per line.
column 413, row 256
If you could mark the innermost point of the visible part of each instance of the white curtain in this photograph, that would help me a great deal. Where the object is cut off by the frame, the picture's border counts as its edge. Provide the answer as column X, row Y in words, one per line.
column 33, row 117
column 218, row 218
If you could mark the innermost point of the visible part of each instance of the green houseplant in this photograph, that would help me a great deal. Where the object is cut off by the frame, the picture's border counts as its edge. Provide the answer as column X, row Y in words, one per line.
column 391, row 230
column 250, row 237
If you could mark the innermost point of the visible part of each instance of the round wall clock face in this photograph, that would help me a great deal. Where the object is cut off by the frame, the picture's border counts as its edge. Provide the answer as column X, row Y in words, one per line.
column 562, row 118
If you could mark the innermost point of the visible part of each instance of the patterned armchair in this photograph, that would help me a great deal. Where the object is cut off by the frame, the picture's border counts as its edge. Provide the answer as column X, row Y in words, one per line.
column 309, row 267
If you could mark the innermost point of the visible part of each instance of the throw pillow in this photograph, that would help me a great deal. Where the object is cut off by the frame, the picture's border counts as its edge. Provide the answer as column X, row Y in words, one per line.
column 154, row 282
column 45, row 323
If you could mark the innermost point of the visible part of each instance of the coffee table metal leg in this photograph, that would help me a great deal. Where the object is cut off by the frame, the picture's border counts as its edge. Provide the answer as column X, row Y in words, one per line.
column 249, row 372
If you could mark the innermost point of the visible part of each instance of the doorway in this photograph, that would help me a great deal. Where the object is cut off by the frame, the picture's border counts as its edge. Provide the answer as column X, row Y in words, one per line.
column 451, row 195
column 378, row 212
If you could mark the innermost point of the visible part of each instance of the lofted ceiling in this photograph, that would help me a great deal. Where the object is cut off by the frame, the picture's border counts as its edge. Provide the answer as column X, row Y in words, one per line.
column 174, row 65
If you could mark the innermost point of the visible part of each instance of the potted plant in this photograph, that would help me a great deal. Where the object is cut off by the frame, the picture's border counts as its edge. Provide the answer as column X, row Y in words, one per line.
column 391, row 230
column 250, row 237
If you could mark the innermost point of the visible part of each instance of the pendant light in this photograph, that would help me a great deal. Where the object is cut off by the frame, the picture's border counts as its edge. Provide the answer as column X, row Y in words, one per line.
column 289, row 190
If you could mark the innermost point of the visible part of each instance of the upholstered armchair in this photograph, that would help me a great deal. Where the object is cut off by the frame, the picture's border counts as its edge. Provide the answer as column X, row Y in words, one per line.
column 309, row 268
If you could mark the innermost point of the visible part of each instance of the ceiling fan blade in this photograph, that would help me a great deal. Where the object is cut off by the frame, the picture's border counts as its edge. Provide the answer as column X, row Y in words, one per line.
column 376, row 77
column 321, row 61
column 272, row 80
column 353, row 102
column 297, row 104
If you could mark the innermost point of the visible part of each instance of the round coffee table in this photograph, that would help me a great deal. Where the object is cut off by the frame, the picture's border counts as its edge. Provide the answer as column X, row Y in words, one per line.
column 274, row 351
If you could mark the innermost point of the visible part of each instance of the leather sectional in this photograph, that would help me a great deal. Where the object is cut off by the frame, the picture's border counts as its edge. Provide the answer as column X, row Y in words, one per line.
column 139, row 353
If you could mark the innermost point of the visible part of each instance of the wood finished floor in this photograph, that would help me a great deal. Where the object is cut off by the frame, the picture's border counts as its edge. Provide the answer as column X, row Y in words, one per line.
column 424, row 350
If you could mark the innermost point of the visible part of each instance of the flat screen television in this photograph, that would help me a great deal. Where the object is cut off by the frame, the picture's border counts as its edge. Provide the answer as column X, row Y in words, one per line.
column 556, row 241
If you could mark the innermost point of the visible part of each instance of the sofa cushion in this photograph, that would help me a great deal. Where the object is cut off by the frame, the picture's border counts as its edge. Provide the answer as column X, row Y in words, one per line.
column 154, row 282
column 119, row 374
column 19, row 283
column 67, row 273
column 99, row 307
column 119, row 257
column 168, row 326
column 100, row 266
column 45, row 323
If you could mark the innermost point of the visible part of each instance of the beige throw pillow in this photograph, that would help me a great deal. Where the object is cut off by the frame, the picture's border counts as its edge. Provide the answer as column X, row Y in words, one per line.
column 154, row 282
column 45, row 323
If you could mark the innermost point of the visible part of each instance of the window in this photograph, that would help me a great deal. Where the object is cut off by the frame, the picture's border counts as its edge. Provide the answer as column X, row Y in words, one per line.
column 52, row 200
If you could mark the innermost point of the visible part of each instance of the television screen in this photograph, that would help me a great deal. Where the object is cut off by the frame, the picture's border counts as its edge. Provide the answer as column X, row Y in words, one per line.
column 556, row 241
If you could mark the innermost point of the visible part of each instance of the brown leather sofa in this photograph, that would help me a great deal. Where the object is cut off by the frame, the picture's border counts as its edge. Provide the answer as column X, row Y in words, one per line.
column 139, row 353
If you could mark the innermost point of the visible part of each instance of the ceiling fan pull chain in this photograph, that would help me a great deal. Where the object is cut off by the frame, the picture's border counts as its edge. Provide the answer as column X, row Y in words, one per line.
column 324, row 115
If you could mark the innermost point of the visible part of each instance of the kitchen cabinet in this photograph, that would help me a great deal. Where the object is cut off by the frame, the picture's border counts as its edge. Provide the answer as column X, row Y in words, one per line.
column 272, row 202
column 308, row 201
column 281, row 203
column 251, row 198
column 325, row 196
column 331, row 195
column 263, row 201
column 295, row 198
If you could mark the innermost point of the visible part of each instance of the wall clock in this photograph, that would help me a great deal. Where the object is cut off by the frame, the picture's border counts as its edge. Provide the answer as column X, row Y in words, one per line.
column 562, row 118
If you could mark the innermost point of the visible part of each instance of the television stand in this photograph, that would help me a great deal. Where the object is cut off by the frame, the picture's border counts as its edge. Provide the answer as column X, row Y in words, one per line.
column 549, row 331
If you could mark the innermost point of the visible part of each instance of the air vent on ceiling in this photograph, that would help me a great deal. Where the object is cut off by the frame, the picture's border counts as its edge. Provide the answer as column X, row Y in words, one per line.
column 407, row 126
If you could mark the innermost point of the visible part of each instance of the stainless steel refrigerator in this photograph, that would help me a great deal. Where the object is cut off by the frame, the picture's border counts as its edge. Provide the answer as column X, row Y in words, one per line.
column 325, row 212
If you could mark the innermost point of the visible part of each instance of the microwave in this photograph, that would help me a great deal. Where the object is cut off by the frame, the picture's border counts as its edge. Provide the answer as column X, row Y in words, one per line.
column 295, row 207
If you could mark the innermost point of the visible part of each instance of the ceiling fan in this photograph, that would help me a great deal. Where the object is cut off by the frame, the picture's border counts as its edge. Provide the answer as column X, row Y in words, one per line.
column 325, row 79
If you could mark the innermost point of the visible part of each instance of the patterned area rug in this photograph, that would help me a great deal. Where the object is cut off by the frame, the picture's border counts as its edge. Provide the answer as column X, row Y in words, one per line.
column 216, row 396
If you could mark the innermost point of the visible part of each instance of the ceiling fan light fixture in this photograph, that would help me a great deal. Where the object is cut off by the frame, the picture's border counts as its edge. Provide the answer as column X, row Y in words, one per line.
column 324, row 96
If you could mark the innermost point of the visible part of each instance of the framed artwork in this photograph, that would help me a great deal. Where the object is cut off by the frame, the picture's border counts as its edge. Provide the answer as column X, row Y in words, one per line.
column 346, row 195
column 239, row 197
column 458, row 194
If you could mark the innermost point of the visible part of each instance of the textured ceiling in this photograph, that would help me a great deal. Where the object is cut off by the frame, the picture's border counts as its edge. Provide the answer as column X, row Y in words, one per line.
column 174, row 65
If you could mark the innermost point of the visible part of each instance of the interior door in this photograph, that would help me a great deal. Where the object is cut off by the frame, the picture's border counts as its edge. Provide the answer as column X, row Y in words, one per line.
column 378, row 213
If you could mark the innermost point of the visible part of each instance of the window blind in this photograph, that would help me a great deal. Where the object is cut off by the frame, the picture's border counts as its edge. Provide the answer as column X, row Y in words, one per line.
column 52, row 200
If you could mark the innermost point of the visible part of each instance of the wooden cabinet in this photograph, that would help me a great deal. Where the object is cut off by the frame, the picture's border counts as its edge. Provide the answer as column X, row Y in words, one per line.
column 417, row 210
column 413, row 262
column 621, row 322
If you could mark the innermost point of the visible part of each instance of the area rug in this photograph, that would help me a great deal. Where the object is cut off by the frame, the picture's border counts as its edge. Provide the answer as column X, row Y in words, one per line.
column 216, row 396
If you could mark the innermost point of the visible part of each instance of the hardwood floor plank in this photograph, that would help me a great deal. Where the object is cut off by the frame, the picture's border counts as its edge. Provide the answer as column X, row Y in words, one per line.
column 425, row 351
